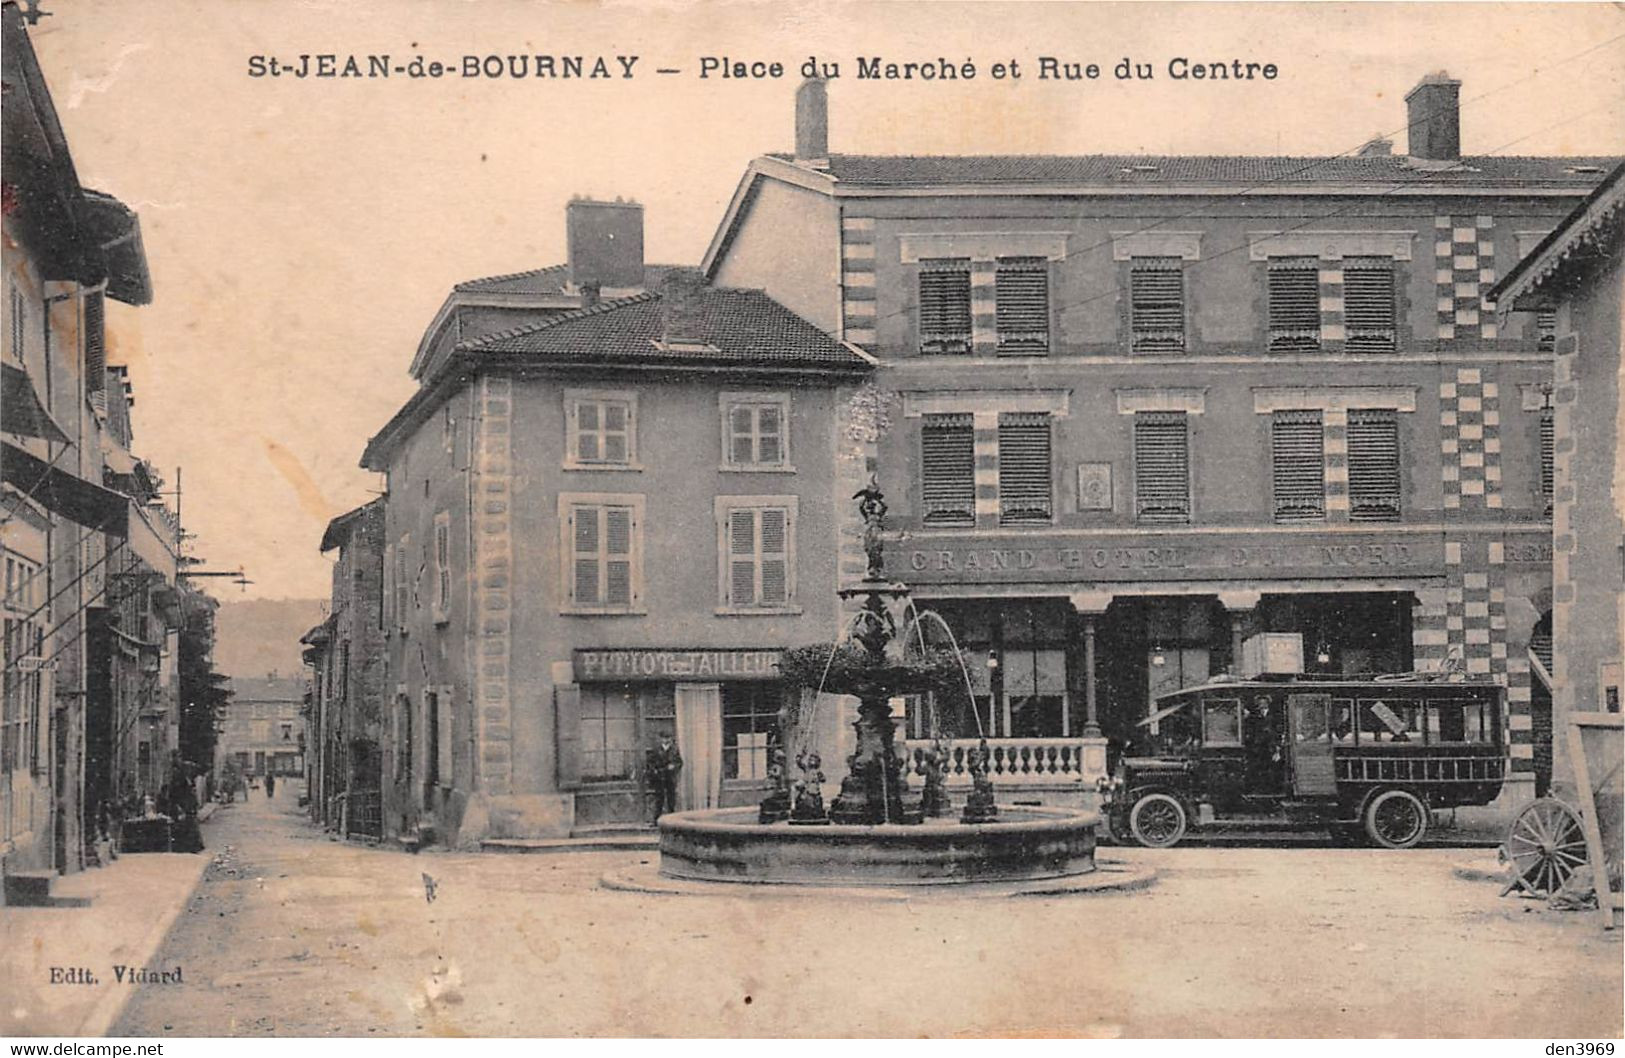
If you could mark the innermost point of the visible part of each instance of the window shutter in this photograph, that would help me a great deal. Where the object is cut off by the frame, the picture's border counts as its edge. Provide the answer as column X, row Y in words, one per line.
column 1548, row 438
column 95, row 342
column 775, row 556
column 1368, row 305
column 1373, row 465
column 618, row 529
column 741, row 557
column 1298, row 456
column 1546, row 330
column 1024, row 468
column 945, row 321
column 1021, row 306
column 948, row 458
column 567, row 733
column 1294, row 304
column 1157, row 305
column 1162, row 467
column 585, row 532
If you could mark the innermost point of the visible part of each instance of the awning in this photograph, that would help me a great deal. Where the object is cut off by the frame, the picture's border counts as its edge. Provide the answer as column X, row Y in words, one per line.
column 1162, row 713
column 74, row 498
column 21, row 411
column 149, row 544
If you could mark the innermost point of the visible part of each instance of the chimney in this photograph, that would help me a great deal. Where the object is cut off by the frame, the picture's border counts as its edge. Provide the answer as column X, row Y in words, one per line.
column 682, row 307
column 592, row 292
column 604, row 241
column 812, row 124
column 1433, row 116
column 1376, row 147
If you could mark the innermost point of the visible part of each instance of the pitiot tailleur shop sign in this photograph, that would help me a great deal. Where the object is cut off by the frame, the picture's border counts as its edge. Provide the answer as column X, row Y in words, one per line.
column 704, row 665
column 1226, row 557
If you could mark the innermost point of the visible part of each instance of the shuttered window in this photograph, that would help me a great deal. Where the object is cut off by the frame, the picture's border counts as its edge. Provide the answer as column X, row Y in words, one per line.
column 1157, row 305
column 603, row 556
column 1162, row 490
column 948, row 461
column 1547, row 464
column 1021, row 295
column 945, row 322
column 402, row 585
column 1024, row 468
column 1373, row 446
column 1298, row 461
column 1546, row 330
column 1294, row 304
column 95, row 342
column 1368, row 305
column 442, row 566
column 759, row 551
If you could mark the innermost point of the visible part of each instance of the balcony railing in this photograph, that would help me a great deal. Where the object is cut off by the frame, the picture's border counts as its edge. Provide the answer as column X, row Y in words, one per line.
column 1016, row 761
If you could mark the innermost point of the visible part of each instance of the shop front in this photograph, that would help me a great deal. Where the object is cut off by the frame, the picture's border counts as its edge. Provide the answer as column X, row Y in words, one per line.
column 722, row 709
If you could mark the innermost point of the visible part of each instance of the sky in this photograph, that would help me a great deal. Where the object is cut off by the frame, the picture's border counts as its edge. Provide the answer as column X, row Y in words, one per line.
column 302, row 233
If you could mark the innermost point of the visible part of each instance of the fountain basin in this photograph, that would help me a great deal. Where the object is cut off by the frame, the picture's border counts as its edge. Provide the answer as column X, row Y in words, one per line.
column 1025, row 844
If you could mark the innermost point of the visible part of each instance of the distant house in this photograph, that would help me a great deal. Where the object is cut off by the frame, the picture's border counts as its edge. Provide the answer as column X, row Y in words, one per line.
column 1570, row 283
column 600, row 526
column 263, row 729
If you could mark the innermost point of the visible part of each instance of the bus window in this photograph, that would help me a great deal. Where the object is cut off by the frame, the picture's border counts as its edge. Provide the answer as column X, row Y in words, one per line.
column 1458, row 721
column 1221, row 722
column 1384, row 720
column 1341, row 721
column 1308, row 718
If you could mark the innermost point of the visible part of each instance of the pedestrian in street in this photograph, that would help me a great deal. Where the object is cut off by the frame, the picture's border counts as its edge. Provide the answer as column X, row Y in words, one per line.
column 662, row 763
column 270, row 786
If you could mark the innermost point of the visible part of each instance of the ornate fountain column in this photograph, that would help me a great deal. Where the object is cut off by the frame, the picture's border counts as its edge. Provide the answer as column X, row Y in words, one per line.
column 876, row 784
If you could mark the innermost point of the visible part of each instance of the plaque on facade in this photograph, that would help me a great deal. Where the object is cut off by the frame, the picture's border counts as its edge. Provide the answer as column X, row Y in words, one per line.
column 1094, row 486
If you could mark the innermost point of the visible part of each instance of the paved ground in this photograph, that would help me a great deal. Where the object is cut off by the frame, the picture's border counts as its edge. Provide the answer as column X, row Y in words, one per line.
column 292, row 934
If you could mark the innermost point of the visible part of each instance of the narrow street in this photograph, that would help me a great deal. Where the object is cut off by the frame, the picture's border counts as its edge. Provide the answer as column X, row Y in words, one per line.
column 293, row 934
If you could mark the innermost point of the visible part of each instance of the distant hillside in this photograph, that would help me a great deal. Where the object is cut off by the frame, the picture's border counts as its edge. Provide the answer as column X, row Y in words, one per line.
column 256, row 637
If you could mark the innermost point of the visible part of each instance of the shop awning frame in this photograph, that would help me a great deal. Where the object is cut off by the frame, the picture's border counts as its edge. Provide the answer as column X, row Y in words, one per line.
column 74, row 498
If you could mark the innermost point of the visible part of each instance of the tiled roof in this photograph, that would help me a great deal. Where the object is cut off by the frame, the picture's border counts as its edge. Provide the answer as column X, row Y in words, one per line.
column 739, row 328
column 550, row 280
column 886, row 171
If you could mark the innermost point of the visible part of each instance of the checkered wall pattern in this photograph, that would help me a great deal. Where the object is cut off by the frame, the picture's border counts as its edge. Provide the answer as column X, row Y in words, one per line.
column 1470, row 441
column 1464, row 256
column 858, row 280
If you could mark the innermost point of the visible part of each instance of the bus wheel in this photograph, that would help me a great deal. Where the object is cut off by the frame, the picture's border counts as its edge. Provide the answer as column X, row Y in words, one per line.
column 1395, row 819
column 1157, row 821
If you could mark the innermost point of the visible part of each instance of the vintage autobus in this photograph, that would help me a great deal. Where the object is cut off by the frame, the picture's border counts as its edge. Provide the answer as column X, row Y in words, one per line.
column 1360, row 756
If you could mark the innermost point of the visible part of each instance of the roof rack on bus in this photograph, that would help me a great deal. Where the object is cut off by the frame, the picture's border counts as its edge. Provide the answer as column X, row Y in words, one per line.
column 1448, row 676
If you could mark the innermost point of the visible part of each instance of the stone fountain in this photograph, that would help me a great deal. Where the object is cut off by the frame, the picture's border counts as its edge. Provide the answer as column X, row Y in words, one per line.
column 876, row 832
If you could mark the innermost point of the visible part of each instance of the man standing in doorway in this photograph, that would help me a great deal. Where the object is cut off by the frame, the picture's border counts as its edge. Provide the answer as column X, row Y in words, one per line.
column 662, row 764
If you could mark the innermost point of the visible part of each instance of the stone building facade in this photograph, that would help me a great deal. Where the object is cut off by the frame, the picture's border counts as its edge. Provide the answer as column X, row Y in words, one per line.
column 1572, row 281
column 1143, row 408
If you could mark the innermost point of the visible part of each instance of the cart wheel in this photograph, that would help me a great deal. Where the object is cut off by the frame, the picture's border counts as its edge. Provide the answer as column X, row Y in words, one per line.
column 1395, row 819
column 1545, row 844
column 1157, row 821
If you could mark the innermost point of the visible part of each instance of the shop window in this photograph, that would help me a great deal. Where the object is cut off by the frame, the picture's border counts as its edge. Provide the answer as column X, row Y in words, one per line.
column 1373, row 454
column 1162, row 488
column 609, row 732
column 1021, row 306
column 603, row 539
column 756, row 431
column 1548, row 463
column 601, row 429
column 757, row 550
column 750, row 728
column 945, row 316
column 1221, row 722
column 1368, row 305
column 948, row 470
column 1157, row 305
column 1035, row 688
column 1386, row 721
column 1294, row 304
column 1298, row 463
column 1024, row 468
column 1458, row 721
